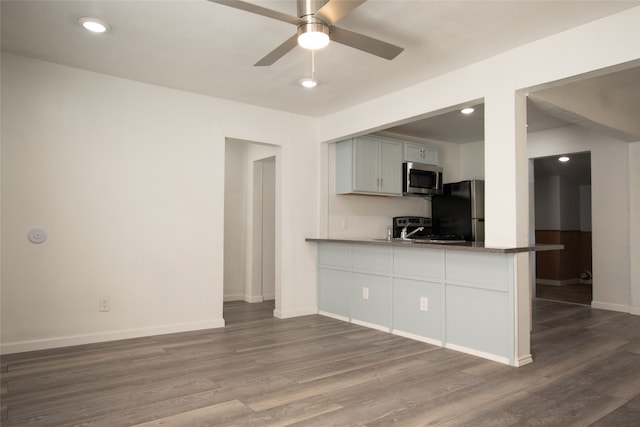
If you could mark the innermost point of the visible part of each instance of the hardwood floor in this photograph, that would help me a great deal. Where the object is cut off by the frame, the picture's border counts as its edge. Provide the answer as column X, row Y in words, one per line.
column 578, row 293
column 316, row 371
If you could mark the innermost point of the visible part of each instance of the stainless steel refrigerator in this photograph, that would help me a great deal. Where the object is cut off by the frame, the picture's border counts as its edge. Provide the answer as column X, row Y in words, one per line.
column 459, row 211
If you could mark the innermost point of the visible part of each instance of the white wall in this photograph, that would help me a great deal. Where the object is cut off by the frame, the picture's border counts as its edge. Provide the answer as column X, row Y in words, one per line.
column 266, row 284
column 569, row 205
column 128, row 180
column 236, row 207
column 602, row 108
column 610, row 206
column 557, row 204
column 585, row 207
column 547, row 197
column 634, row 220
column 472, row 161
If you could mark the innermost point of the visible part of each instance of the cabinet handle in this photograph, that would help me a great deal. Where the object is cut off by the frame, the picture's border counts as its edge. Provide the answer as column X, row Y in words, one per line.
column 381, row 182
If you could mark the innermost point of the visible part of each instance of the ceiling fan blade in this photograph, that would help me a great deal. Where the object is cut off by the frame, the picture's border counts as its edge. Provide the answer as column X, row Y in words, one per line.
column 259, row 10
column 368, row 44
column 335, row 10
column 278, row 52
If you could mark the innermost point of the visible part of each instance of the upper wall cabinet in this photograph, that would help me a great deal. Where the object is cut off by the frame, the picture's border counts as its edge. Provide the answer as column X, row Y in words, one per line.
column 420, row 154
column 369, row 165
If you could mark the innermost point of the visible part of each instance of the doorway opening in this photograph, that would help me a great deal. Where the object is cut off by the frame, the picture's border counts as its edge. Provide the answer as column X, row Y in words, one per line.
column 562, row 191
column 250, row 256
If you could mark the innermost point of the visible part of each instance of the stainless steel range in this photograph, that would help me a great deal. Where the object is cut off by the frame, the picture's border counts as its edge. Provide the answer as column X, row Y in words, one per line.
column 420, row 229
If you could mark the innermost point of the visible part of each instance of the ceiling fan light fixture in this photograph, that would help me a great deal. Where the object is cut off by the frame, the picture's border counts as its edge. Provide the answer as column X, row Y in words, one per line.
column 309, row 82
column 313, row 35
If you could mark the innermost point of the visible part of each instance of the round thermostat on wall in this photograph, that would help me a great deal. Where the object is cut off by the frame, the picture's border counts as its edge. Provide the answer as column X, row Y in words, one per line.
column 37, row 235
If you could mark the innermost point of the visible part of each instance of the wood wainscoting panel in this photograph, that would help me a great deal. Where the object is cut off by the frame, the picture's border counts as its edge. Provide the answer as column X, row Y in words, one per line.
column 585, row 252
column 562, row 266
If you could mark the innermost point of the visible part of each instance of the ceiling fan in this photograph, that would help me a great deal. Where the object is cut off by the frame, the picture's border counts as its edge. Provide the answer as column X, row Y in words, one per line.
column 316, row 21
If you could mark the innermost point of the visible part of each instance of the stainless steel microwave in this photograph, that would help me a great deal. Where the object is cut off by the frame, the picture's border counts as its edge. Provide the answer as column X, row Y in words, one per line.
column 420, row 179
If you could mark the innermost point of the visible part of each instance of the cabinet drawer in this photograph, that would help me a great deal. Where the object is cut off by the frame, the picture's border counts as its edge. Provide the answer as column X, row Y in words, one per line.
column 334, row 255
column 481, row 269
column 427, row 263
column 373, row 259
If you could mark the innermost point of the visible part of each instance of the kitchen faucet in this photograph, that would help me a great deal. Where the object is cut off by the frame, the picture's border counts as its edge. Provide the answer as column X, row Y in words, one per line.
column 404, row 235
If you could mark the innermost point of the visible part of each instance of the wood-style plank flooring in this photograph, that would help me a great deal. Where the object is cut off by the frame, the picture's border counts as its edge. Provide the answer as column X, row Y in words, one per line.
column 578, row 293
column 317, row 371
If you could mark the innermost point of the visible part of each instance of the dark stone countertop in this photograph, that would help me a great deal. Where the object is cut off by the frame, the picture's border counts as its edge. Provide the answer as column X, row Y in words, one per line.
column 461, row 246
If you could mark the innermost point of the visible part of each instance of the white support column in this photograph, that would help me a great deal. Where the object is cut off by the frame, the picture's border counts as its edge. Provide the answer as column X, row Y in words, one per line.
column 507, row 200
column 506, row 170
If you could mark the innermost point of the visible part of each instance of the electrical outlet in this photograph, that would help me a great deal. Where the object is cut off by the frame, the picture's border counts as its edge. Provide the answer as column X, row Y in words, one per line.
column 104, row 304
column 424, row 304
column 365, row 293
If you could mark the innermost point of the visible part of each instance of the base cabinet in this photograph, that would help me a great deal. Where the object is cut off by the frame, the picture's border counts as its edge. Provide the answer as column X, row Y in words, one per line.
column 455, row 299
column 417, row 310
column 371, row 300
column 333, row 295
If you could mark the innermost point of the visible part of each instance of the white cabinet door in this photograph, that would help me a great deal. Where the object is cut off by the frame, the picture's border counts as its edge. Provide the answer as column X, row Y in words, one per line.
column 390, row 167
column 366, row 164
column 369, row 165
column 420, row 154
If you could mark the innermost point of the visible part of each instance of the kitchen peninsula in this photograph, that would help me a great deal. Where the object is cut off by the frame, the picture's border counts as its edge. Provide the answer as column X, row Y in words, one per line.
column 460, row 296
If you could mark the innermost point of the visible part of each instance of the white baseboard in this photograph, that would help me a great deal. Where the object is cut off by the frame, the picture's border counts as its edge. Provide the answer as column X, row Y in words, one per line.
column 268, row 297
column 558, row 282
column 612, row 307
column 523, row 360
column 71, row 340
column 473, row 352
column 280, row 314
column 417, row 337
column 233, row 297
column 634, row 310
column 252, row 298
column 371, row 325
column 334, row 316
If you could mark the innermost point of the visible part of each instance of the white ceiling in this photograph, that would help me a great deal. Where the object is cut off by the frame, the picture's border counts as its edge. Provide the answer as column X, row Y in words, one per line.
column 619, row 87
column 207, row 48
column 577, row 169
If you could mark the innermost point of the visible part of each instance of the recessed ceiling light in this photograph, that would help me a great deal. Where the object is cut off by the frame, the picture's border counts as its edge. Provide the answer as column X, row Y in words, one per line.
column 309, row 82
column 467, row 110
column 93, row 24
column 563, row 159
